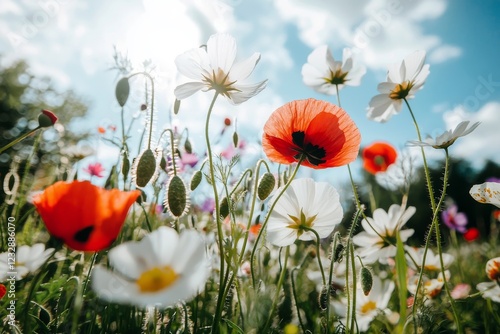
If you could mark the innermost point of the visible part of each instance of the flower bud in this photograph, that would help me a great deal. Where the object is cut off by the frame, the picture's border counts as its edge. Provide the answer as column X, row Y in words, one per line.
column 224, row 208
column 125, row 165
column 176, row 201
column 323, row 298
column 366, row 280
column 188, row 147
column 266, row 185
column 146, row 168
column 235, row 139
column 338, row 252
column 122, row 91
column 196, row 180
column 177, row 106
column 46, row 118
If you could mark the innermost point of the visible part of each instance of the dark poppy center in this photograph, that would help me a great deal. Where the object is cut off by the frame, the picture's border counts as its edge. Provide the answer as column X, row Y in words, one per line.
column 83, row 235
column 313, row 153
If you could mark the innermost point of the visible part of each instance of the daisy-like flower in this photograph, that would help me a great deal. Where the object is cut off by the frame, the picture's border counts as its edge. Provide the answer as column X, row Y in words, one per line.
column 318, row 133
column 324, row 74
column 378, row 156
column 415, row 258
column 453, row 219
column 370, row 306
column 403, row 81
column 305, row 205
column 446, row 139
column 493, row 269
column 84, row 216
column 488, row 192
column 431, row 288
column 491, row 290
column 378, row 240
column 161, row 270
column 460, row 291
column 215, row 68
column 96, row 170
column 28, row 260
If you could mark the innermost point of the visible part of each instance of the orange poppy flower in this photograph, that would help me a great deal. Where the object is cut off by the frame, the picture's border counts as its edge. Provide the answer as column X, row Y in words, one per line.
column 319, row 133
column 378, row 157
column 84, row 216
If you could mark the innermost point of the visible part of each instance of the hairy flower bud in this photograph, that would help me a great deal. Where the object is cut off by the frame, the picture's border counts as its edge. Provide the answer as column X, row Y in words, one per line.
column 176, row 200
column 196, row 180
column 266, row 185
column 145, row 168
column 366, row 280
column 122, row 91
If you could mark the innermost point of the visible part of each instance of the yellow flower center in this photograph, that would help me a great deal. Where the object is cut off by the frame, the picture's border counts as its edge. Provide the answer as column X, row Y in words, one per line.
column 368, row 306
column 301, row 224
column 401, row 90
column 156, row 279
column 431, row 267
column 219, row 82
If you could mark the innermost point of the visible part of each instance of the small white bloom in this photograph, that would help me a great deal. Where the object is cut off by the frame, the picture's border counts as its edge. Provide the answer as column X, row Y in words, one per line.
column 27, row 260
column 378, row 240
column 431, row 288
column 488, row 192
column 447, row 138
column 305, row 205
column 368, row 307
column 490, row 290
column 403, row 81
column 432, row 261
column 160, row 270
column 215, row 68
column 324, row 74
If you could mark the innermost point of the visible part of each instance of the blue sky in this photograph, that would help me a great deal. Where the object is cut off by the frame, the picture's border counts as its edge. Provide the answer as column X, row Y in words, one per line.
column 72, row 42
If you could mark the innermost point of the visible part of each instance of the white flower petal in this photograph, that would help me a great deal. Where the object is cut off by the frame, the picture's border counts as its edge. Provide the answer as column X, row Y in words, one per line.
column 246, row 91
column 186, row 90
column 193, row 63
column 243, row 69
column 413, row 64
column 488, row 192
column 221, row 49
column 382, row 108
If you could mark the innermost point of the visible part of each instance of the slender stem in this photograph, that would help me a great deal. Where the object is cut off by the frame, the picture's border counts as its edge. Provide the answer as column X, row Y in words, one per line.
column 146, row 74
column 454, row 240
column 278, row 288
column 17, row 140
column 87, row 279
column 295, row 299
column 338, row 95
column 264, row 224
column 330, row 277
column 318, row 240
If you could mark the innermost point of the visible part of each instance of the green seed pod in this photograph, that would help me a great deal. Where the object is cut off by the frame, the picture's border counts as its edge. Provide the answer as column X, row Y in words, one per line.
column 176, row 201
column 235, row 139
column 163, row 162
column 196, row 180
column 177, row 106
column 125, row 165
column 266, row 185
column 188, row 147
column 146, row 168
column 224, row 207
column 366, row 280
column 122, row 91
column 338, row 252
column 323, row 298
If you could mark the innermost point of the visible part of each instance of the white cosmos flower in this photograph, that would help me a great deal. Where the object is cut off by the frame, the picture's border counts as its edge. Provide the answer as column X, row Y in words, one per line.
column 160, row 270
column 27, row 260
column 488, row 192
column 447, row 138
column 490, row 290
column 324, row 74
column 305, row 205
column 215, row 68
column 403, row 81
column 368, row 307
column 432, row 261
column 378, row 240
column 431, row 288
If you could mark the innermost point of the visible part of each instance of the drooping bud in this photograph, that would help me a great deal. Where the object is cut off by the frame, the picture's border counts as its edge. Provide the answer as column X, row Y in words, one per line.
column 266, row 185
column 176, row 200
column 177, row 106
column 125, row 165
column 366, row 280
column 323, row 298
column 235, row 139
column 46, row 118
column 338, row 252
column 145, row 168
column 224, row 207
column 188, row 147
column 196, row 180
column 122, row 91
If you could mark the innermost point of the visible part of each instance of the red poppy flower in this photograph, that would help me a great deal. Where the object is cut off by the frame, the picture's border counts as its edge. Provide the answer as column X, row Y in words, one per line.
column 319, row 133
column 378, row 157
column 84, row 216
column 47, row 118
column 3, row 291
column 471, row 234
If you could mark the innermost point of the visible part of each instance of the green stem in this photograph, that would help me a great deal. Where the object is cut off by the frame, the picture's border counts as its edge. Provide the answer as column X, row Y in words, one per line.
column 318, row 240
column 278, row 288
column 330, row 277
column 454, row 240
column 20, row 138
column 264, row 224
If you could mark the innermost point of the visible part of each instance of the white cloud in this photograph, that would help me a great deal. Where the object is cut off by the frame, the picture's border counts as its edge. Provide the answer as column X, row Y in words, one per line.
column 482, row 143
column 444, row 53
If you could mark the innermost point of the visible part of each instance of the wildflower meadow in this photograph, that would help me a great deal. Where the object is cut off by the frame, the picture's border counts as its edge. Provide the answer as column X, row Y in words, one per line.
column 177, row 241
